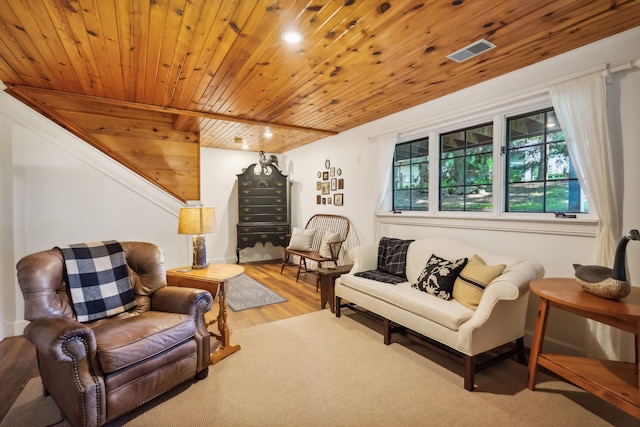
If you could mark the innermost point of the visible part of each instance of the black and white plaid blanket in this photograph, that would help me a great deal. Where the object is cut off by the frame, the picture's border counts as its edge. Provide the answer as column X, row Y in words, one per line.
column 98, row 279
column 381, row 276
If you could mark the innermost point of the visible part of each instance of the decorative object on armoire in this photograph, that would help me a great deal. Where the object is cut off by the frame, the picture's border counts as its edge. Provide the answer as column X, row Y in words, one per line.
column 607, row 282
column 198, row 221
column 264, row 207
column 266, row 164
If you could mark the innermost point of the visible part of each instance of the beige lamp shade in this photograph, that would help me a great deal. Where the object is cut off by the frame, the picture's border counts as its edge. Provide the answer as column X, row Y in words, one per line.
column 197, row 220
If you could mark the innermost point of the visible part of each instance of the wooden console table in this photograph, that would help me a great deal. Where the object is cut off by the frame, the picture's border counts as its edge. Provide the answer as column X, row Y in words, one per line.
column 613, row 381
column 209, row 279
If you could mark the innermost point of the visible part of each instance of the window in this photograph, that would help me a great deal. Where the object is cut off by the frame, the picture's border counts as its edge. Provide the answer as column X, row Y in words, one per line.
column 466, row 169
column 540, row 175
column 411, row 176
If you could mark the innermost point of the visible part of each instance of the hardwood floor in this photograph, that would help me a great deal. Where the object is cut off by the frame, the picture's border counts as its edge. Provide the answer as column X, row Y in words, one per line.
column 18, row 357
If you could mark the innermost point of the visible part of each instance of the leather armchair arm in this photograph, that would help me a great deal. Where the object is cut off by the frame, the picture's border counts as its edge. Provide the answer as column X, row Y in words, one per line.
column 69, row 368
column 53, row 336
column 175, row 299
column 195, row 302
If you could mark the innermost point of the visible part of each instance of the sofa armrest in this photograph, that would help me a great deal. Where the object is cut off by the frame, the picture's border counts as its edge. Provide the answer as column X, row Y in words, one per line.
column 365, row 257
column 501, row 313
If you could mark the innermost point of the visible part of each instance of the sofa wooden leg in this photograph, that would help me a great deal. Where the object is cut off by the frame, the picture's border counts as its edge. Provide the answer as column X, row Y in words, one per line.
column 386, row 330
column 338, row 304
column 522, row 358
column 469, row 369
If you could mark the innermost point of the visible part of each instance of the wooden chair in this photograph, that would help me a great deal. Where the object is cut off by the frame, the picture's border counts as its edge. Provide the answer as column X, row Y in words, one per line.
column 321, row 223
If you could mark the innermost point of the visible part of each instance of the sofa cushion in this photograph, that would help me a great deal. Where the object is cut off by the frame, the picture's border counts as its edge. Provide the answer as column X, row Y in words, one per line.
column 392, row 256
column 301, row 240
column 124, row 341
column 439, row 276
column 450, row 314
column 473, row 280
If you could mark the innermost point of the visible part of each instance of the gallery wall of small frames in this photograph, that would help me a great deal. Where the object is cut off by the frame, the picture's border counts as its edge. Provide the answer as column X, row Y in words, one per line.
column 330, row 185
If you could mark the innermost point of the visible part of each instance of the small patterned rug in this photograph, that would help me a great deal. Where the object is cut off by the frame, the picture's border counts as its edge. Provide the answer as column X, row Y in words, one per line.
column 244, row 293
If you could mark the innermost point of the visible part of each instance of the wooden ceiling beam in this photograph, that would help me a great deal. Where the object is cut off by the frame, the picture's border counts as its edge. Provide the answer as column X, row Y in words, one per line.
column 170, row 110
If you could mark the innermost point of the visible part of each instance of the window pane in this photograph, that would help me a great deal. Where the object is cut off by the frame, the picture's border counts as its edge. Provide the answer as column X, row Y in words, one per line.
column 450, row 201
column 480, row 169
column 401, row 200
column 526, row 131
column 411, row 175
column 419, row 200
column 525, row 165
column 554, row 133
column 452, row 145
column 480, row 140
column 478, row 198
column 526, row 197
column 557, row 161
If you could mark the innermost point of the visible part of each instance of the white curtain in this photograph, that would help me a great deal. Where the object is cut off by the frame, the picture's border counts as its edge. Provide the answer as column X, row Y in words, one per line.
column 384, row 148
column 580, row 107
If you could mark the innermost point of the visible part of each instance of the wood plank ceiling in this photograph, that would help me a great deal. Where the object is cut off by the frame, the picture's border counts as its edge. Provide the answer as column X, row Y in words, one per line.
column 168, row 75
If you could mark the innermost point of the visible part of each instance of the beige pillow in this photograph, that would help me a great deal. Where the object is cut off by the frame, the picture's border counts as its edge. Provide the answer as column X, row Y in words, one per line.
column 330, row 236
column 473, row 280
column 301, row 240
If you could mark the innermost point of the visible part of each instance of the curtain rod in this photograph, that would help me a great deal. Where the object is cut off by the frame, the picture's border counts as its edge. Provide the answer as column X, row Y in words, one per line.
column 624, row 67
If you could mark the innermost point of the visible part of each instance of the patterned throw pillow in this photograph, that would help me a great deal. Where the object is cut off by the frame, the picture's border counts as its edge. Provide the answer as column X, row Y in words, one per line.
column 301, row 240
column 473, row 280
column 439, row 275
column 392, row 256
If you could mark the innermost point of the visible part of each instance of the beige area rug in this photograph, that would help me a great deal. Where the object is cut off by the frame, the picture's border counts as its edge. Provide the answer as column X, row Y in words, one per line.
column 318, row 370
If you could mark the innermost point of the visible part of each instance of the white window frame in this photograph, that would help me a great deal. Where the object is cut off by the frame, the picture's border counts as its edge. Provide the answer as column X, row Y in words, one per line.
column 496, row 219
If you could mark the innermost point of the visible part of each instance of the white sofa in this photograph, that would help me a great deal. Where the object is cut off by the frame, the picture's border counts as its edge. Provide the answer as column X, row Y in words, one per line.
column 498, row 319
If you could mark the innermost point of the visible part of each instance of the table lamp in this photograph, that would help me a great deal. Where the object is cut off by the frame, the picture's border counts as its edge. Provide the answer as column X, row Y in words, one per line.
column 198, row 220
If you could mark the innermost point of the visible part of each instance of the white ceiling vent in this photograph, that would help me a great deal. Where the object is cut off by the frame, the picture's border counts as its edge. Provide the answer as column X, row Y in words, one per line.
column 472, row 50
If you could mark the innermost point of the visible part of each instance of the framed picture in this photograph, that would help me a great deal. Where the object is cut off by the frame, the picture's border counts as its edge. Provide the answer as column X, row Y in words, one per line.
column 340, row 183
column 337, row 199
column 318, row 199
column 325, row 176
column 325, row 188
column 327, row 164
column 328, row 200
column 334, row 184
column 332, row 171
column 324, row 200
column 318, row 185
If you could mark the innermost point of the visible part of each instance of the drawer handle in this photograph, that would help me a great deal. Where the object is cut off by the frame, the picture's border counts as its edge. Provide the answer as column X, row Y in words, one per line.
column 246, row 218
column 279, row 217
column 279, row 200
column 246, row 200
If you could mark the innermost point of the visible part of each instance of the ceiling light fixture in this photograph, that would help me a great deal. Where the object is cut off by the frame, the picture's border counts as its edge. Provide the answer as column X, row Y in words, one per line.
column 267, row 133
column 292, row 37
column 237, row 140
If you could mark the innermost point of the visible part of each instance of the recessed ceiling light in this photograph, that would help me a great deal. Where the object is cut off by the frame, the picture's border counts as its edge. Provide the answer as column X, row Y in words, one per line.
column 267, row 133
column 292, row 37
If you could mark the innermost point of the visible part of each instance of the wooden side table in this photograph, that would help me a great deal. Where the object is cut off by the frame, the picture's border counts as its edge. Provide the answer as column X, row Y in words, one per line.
column 327, row 277
column 209, row 279
column 613, row 381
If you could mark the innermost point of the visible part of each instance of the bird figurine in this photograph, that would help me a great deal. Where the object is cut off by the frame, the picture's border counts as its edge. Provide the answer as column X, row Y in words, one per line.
column 607, row 282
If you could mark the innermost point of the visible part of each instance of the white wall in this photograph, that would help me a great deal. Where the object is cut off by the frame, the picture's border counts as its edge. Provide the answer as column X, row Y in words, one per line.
column 555, row 244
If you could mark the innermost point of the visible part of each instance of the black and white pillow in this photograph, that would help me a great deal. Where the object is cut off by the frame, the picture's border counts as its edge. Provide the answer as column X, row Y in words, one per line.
column 392, row 256
column 439, row 275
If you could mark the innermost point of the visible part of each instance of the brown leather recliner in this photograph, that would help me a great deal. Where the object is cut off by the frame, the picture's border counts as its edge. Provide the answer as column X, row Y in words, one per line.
column 100, row 370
